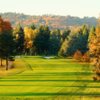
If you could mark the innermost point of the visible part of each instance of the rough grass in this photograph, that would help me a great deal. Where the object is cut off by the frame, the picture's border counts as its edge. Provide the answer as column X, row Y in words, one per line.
column 36, row 78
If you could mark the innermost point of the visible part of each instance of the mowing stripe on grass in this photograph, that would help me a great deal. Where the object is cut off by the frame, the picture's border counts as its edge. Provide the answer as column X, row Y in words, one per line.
column 51, row 94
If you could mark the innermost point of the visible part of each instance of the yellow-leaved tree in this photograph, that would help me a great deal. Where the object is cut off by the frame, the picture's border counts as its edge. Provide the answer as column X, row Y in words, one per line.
column 94, row 48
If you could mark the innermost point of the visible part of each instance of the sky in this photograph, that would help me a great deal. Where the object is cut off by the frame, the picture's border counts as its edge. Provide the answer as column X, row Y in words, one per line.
column 78, row 8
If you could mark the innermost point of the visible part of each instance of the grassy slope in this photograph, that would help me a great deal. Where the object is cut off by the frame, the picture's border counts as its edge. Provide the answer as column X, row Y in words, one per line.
column 57, row 79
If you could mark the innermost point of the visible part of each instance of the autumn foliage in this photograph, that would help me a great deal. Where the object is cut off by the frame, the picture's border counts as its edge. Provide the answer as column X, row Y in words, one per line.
column 81, row 57
column 78, row 55
column 94, row 49
column 4, row 25
column 7, row 43
column 86, row 57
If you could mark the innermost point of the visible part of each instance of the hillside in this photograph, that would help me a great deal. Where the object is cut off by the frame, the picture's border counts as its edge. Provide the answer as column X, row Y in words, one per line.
column 52, row 20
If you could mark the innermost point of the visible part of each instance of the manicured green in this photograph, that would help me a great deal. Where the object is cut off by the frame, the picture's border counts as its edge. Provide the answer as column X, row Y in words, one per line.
column 36, row 78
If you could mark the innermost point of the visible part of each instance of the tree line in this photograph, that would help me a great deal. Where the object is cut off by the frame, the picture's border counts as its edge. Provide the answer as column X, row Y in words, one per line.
column 32, row 40
column 54, row 21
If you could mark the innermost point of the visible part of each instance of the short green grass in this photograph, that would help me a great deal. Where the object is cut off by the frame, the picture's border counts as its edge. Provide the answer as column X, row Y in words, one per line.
column 36, row 78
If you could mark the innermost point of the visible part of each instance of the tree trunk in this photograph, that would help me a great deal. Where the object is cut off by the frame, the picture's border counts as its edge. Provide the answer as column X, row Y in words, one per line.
column 6, row 64
column 1, row 62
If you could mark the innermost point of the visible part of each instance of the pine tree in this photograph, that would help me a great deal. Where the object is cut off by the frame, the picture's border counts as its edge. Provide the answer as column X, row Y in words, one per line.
column 41, row 41
column 19, row 37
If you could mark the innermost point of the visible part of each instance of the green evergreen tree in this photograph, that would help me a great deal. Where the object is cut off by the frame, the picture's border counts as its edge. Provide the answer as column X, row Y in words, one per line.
column 75, row 41
column 55, row 42
column 19, row 37
column 41, row 41
column 32, row 26
column 7, row 46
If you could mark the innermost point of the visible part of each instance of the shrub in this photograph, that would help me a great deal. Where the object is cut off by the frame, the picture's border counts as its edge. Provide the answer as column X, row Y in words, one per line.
column 86, row 57
column 78, row 55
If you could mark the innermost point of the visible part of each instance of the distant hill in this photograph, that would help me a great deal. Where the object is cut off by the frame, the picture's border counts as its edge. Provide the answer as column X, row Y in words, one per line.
column 52, row 20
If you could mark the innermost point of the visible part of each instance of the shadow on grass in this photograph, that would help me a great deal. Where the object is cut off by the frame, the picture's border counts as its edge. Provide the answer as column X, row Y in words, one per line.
column 57, row 73
column 53, row 86
column 51, row 94
column 21, row 80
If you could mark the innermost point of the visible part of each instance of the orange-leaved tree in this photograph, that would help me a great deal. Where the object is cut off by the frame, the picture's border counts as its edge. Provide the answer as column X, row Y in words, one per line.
column 7, row 44
column 94, row 48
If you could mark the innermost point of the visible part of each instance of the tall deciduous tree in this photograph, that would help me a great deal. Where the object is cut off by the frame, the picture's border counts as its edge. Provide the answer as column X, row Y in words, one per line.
column 6, row 41
column 92, row 33
column 30, row 34
column 94, row 48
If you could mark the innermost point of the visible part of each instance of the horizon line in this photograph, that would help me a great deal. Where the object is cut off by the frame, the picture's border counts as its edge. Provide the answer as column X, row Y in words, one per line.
column 49, row 15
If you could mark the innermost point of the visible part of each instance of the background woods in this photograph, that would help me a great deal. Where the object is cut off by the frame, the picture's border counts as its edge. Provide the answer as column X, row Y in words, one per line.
column 81, row 42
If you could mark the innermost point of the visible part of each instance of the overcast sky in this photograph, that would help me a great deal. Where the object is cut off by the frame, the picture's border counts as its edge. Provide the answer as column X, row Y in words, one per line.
column 79, row 8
